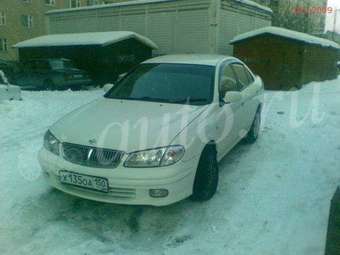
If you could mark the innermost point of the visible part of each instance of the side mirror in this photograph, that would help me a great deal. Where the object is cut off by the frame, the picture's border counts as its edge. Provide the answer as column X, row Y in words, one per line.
column 232, row 97
column 107, row 87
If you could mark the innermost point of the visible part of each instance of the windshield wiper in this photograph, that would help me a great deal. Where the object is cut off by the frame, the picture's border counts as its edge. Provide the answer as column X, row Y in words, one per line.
column 150, row 99
column 186, row 100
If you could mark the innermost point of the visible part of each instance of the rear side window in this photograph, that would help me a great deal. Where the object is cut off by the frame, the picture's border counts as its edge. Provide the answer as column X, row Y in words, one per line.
column 243, row 75
column 228, row 80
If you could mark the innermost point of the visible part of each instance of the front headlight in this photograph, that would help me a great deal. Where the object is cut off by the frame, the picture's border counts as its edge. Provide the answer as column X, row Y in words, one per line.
column 164, row 156
column 51, row 143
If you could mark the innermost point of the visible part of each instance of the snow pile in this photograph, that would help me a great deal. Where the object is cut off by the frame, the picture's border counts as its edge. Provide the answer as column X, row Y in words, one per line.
column 273, row 197
column 7, row 91
column 3, row 78
column 286, row 33
column 78, row 39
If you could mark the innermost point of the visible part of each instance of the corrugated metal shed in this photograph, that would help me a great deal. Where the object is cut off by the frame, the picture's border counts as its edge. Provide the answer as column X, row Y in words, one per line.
column 104, row 55
column 176, row 26
column 286, row 59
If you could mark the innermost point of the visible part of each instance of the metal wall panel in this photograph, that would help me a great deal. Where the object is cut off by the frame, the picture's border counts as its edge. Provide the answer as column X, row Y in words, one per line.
column 161, row 28
column 192, row 32
column 186, row 26
column 108, row 23
column 233, row 23
column 135, row 23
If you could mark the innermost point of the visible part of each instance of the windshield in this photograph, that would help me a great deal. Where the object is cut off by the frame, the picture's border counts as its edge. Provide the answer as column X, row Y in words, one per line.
column 169, row 83
column 61, row 64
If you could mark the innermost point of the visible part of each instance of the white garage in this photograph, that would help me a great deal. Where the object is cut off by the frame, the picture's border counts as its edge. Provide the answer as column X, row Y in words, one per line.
column 176, row 26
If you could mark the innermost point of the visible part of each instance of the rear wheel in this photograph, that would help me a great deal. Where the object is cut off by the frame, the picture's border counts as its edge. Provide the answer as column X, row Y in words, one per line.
column 206, row 180
column 254, row 131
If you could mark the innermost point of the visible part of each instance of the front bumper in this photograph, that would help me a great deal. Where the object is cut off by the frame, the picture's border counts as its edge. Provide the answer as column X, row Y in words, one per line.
column 127, row 185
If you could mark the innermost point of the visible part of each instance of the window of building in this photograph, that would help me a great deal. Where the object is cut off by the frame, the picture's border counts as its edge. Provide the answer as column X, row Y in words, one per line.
column 75, row 3
column 3, row 44
column 2, row 18
column 27, row 21
column 50, row 2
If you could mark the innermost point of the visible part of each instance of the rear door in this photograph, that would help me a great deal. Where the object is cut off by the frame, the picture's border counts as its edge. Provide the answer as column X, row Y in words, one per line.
column 230, row 119
column 249, row 92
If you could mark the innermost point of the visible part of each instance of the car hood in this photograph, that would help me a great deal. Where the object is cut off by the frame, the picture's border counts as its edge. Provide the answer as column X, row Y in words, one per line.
column 125, row 125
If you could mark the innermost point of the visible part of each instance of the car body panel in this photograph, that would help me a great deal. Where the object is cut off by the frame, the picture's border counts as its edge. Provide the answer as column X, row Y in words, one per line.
column 129, row 125
column 123, row 115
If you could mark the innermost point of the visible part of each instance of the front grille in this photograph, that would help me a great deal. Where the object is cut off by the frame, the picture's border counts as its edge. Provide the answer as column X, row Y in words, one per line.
column 91, row 156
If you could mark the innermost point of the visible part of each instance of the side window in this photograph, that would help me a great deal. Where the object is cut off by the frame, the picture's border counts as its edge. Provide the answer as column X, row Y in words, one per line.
column 228, row 81
column 243, row 75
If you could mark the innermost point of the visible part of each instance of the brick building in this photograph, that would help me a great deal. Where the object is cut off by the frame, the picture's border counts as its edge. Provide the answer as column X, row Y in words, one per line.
column 24, row 19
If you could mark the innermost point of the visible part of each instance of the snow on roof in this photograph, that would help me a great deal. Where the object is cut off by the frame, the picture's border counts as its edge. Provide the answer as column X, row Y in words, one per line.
column 139, row 2
column 290, row 34
column 254, row 4
column 78, row 39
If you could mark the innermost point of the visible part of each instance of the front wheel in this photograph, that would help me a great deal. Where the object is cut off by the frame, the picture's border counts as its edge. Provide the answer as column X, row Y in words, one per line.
column 254, row 131
column 206, row 180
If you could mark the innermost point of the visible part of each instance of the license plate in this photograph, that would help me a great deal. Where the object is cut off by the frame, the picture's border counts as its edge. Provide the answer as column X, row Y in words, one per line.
column 84, row 181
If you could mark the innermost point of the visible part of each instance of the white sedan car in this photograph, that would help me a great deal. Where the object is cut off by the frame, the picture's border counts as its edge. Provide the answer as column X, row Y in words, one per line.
column 156, row 137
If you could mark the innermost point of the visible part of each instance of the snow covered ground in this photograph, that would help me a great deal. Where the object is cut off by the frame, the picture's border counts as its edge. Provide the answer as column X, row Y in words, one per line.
column 273, row 197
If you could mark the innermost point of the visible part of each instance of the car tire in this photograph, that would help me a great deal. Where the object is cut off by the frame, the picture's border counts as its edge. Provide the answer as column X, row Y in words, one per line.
column 206, row 179
column 254, row 131
column 49, row 85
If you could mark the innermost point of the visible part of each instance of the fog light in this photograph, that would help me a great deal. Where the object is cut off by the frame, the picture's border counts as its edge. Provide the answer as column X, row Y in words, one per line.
column 158, row 193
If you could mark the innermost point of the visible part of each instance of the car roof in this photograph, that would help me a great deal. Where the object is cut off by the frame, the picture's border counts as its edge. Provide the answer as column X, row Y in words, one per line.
column 195, row 59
